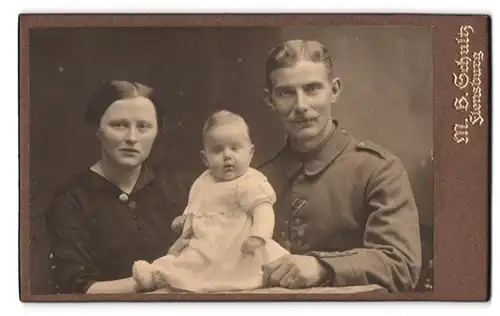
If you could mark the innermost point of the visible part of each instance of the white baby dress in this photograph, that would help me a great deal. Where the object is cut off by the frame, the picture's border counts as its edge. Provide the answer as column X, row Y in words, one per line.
column 213, row 260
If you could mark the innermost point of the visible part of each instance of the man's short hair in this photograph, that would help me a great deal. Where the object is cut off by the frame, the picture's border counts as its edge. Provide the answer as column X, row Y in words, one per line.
column 290, row 52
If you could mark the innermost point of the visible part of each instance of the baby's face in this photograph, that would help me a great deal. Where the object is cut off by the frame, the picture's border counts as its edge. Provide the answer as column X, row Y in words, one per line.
column 227, row 151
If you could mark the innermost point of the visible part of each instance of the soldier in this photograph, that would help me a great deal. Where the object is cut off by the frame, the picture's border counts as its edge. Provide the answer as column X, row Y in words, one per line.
column 345, row 208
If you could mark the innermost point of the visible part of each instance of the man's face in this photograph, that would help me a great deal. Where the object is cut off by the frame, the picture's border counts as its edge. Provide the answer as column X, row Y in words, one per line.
column 302, row 95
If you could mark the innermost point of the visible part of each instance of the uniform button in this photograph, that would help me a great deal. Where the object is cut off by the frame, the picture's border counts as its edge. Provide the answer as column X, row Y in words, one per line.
column 135, row 217
column 287, row 245
column 139, row 227
column 132, row 204
column 296, row 221
column 146, row 238
column 284, row 235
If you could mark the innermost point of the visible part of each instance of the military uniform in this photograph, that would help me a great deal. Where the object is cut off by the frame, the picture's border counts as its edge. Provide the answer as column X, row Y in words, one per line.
column 350, row 205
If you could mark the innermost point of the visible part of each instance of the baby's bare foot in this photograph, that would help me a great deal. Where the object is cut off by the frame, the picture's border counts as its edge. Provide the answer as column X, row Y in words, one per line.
column 142, row 272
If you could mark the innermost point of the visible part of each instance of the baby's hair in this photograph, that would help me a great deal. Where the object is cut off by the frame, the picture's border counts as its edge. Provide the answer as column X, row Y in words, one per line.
column 290, row 52
column 223, row 117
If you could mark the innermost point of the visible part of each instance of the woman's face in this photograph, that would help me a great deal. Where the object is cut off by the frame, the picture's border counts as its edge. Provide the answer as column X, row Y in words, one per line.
column 127, row 131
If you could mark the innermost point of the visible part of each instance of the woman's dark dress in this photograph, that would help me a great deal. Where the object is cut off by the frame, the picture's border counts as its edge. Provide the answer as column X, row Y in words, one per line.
column 95, row 236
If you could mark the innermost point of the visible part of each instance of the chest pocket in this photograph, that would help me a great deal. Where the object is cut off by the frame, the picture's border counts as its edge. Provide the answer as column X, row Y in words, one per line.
column 328, row 218
column 308, row 220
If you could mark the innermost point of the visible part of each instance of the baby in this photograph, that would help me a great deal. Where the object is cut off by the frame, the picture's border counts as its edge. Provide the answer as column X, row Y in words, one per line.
column 228, row 223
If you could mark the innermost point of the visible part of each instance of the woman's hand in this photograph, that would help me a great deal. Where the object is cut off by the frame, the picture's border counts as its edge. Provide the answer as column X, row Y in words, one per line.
column 178, row 223
column 251, row 244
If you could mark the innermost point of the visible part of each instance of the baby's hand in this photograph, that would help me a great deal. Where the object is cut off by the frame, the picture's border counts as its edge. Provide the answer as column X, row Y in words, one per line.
column 178, row 223
column 178, row 246
column 251, row 244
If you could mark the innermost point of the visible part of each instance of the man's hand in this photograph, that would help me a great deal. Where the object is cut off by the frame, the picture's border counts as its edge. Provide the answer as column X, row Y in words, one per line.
column 178, row 223
column 251, row 244
column 294, row 271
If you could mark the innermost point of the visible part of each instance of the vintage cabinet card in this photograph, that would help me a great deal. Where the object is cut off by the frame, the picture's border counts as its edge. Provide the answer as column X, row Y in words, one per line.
column 254, row 157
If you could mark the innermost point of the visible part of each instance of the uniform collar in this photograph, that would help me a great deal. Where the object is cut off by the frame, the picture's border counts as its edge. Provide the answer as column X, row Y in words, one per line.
column 318, row 159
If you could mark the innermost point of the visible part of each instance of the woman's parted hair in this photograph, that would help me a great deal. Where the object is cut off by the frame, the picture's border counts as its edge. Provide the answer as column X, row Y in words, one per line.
column 290, row 52
column 116, row 90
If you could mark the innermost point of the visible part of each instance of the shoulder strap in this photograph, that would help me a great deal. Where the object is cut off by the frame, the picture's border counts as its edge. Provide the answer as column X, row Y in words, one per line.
column 373, row 148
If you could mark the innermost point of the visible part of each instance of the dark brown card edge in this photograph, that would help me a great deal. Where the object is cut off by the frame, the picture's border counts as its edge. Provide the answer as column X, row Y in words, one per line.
column 462, row 251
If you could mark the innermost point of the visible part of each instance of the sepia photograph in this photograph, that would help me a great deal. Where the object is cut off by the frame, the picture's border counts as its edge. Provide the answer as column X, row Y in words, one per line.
column 270, row 160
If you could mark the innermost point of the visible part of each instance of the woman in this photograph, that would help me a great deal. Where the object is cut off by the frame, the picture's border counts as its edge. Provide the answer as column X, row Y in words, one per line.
column 117, row 211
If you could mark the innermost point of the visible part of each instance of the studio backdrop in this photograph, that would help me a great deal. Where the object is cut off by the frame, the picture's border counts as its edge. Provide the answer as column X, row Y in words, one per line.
column 386, row 75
